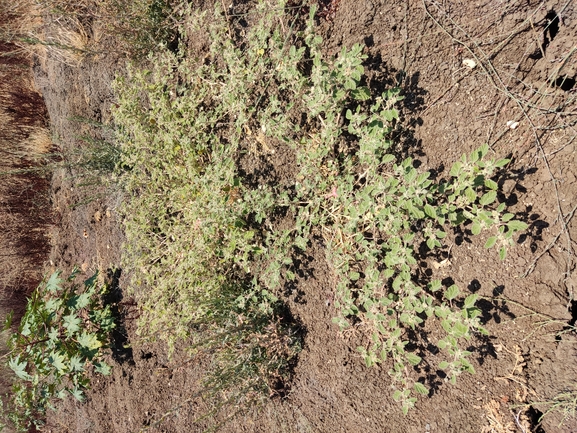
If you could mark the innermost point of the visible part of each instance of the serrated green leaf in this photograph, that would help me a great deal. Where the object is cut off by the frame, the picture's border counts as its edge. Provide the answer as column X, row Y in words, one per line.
column 420, row 388
column 58, row 361
column 435, row 285
column 19, row 368
column 76, row 363
column 72, row 324
column 53, row 283
column 53, row 305
column 77, row 302
column 89, row 341
column 490, row 242
column 77, row 393
column 443, row 365
column 354, row 276
column 451, row 292
column 470, row 301
column 102, row 368
column 397, row 395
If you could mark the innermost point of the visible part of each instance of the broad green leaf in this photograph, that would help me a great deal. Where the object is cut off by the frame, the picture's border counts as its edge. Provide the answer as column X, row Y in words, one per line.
column 354, row 276
column 420, row 388
column 503, row 253
column 470, row 301
column 422, row 177
column 387, row 158
column 460, row 330
column 502, row 162
column 456, row 169
column 361, row 93
column 390, row 114
column 430, row 211
column 467, row 366
column 470, row 194
column 491, row 184
column 435, row 285
column 412, row 358
column 451, row 292
column 488, row 198
column 516, row 225
column 443, row 365
column 491, row 241
column 476, row 228
column 483, row 150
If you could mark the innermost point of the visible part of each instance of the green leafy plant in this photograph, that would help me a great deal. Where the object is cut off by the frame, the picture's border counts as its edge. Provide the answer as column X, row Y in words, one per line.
column 61, row 340
column 210, row 243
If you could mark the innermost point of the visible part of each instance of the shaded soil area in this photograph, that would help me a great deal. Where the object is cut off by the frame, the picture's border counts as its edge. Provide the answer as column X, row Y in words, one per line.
column 492, row 72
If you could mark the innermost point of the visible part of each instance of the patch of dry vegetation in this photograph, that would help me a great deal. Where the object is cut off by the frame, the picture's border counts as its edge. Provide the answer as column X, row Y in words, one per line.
column 24, row 204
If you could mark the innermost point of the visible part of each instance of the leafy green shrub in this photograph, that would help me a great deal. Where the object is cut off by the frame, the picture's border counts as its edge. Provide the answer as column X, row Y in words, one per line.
column 59, row 343
column 207, row 242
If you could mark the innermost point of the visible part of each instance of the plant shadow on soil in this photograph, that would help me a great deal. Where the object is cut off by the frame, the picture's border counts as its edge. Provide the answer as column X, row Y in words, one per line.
column 121, row 350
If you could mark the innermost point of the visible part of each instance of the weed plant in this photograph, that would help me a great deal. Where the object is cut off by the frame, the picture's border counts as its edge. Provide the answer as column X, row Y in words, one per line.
column 208, row 249
column 59, row 344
